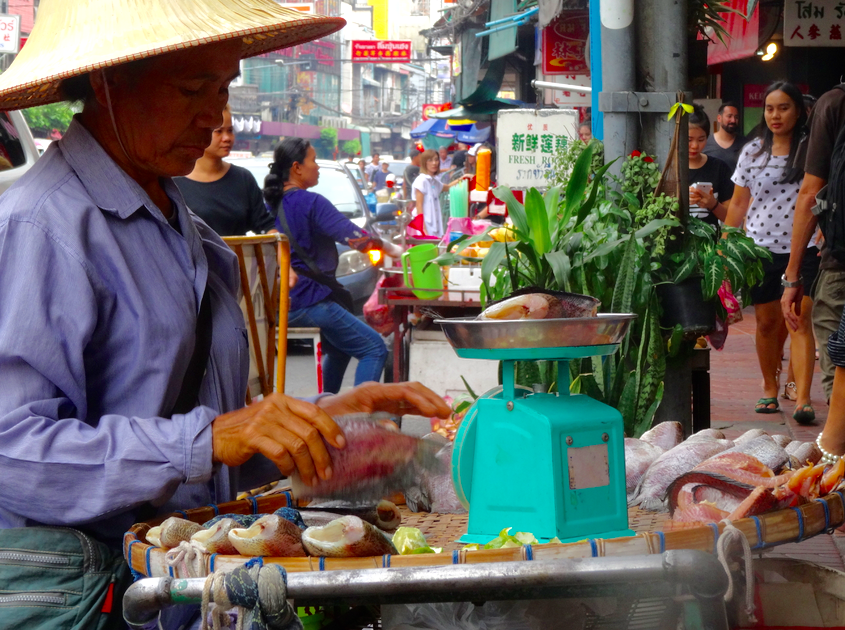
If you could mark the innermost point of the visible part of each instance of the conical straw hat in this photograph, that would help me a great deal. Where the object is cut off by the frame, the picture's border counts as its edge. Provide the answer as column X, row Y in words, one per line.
column 72, row 37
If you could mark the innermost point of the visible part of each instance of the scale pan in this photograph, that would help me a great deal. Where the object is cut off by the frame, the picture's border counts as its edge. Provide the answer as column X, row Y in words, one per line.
column 489, row 334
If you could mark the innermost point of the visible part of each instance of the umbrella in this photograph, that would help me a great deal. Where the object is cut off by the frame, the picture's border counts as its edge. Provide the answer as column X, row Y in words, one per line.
column 474, row 135
column 432, row 126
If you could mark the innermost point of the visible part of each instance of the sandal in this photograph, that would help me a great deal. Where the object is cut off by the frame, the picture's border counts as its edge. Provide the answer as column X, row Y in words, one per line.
column 790, row 391
column 804, row 414
column 763, row 405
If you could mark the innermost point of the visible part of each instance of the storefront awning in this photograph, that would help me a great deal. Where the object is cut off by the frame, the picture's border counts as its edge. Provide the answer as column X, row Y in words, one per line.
column 383, row 130
column 370, row 82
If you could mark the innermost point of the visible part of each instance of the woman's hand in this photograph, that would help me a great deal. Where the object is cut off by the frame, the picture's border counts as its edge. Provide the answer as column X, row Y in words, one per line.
column 702, row 199
column 394, row 398
column 287, row 431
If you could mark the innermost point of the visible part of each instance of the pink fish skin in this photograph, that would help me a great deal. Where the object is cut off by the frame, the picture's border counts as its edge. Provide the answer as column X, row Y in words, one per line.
column 807, row 453
column 670, row 466
column 375, row 463
column 764, row 449
column 781, row 440
column 744, row 469
column 665, row 435
column 639, row 456
column 270, row 535
column 759, row 501
column 699, row 513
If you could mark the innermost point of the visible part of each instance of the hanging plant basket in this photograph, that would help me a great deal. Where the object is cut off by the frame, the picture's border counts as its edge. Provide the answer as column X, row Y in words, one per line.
column 684, row 304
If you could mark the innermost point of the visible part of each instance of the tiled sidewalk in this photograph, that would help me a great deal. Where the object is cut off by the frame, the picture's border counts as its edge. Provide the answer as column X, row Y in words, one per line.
column 735, row 383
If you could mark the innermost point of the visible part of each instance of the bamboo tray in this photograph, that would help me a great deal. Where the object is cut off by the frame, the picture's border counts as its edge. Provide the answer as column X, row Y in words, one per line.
column 767, row 530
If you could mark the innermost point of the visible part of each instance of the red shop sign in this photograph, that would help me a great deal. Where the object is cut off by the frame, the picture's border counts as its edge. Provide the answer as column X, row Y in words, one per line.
column 429, row 108
column 565, row 43
column 381, row 50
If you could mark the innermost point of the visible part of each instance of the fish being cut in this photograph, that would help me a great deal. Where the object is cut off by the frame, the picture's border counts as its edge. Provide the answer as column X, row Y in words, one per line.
column 668, row 467
column 270, row 535
column 534, row 303
column 215, row 539
column 665, row 435
column 345, row 537
column 171, row 532
column 436, row 493
column 375, row 463
column 639, row 456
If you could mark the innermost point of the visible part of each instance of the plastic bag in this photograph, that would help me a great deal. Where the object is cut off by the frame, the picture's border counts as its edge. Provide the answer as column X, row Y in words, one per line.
column 731, row 304
column 380, row 316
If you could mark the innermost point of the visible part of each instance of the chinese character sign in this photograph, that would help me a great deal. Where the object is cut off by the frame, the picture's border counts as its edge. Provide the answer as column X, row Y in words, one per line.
column 381, row 51
column 10, row 33
column 565, row 44
column 816, row 23
column 526, row 140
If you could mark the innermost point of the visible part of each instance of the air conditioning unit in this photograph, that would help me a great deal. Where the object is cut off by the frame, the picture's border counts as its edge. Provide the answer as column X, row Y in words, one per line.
column 396, row 108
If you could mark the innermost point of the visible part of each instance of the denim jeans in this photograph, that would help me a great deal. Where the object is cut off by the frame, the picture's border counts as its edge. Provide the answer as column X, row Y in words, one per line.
column 343, row 336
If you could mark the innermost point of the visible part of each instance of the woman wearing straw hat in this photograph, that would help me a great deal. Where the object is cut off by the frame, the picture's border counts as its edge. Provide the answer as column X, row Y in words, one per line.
column 122, row 347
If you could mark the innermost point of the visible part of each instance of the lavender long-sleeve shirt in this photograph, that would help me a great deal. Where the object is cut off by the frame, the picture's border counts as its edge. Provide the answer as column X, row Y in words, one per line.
column 98, row 303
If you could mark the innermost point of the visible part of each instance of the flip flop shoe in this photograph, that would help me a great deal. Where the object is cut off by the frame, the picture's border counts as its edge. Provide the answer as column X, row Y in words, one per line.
column 763, row 405
column 804, row 414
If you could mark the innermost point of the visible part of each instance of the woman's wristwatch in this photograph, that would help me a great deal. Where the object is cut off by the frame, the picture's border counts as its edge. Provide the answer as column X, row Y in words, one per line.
column 791, row 285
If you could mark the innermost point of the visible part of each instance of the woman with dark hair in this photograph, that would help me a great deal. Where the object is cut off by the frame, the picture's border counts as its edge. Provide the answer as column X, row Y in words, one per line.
column 767, row 182
column 318, row 300
column 711, row 187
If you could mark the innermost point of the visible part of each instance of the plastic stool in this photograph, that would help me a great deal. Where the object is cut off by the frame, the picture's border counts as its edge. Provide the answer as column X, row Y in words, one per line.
column 314, row 335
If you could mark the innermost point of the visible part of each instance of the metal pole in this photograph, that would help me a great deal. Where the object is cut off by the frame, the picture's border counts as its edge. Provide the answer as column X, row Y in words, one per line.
column 595, row 68
column 618, row 75
column 632, row 576
column 560, row 86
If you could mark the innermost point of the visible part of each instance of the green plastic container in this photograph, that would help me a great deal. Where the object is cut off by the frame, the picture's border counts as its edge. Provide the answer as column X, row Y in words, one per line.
column 459, row 200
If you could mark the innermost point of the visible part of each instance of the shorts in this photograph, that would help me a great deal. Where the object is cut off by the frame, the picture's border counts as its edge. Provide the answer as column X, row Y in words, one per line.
column 770, row 289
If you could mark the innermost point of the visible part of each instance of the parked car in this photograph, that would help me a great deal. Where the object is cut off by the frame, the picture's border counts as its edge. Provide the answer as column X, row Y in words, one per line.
column 355, row 270
column 17, row 148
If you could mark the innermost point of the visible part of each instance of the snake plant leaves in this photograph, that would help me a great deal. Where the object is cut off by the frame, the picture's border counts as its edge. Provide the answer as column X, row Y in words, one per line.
column 516, row 211
column 714, row 275
column 644, row 423
column 626, row 280
column 538, row 222
column 577, row 183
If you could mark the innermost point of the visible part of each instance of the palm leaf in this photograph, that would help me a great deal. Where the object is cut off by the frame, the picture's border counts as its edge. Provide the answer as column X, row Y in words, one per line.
column 516, row 210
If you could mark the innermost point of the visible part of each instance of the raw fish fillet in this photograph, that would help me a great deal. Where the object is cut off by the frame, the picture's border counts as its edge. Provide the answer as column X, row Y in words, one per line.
column 347, row 537
column 534, row 303
column 666, row 435
column 721, row 499
column 375, row 463
column 699, row 513
column 763, row 449
column 639, row 456
column 759, row 501
column 270, row 535
column 671, row 465
column 682, row 490
column 832, row 477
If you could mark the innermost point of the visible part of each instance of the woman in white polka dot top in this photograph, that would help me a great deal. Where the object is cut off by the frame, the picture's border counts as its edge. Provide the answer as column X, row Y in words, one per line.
column 767, row 182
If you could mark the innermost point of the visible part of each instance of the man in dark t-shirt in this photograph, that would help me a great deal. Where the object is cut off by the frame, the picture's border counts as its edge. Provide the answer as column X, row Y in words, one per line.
column 727, row 142
column 232, row 205
column 412, row 171
column 826, row 119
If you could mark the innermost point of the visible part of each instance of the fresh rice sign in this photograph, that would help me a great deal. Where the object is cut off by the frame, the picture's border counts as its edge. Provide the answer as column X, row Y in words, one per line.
column 10, row 33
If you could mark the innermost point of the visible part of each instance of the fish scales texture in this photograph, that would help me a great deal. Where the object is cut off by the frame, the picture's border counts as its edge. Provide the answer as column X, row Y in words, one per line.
column 764, row 449
column 639, row 456
column 671, row 465
column 376, row 462
column 807, row 453
column 384, row 514
column 270, row 535
column 751, row 434
column 215, row 539
column 347, row 537
column 666, row 435
column 781, row 439
column 171, row 532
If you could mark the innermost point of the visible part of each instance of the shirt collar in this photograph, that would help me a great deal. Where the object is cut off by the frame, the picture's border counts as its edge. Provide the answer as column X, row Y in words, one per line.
column 108, row 185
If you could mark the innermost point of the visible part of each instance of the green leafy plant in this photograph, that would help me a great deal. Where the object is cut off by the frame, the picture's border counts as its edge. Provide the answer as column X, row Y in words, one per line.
column 640, row 175
column 705, row 20
column 45, row 118
column 352, row 147
column 563, row 161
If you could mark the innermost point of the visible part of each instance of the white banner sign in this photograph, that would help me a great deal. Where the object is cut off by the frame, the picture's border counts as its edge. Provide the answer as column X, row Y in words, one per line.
column 816, row 23
column 569, row 98
column 526, row 140
column 10, row 33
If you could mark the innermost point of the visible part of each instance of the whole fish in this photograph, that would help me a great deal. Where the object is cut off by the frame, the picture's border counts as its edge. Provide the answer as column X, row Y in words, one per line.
column 292, row 515
column 751, row 434
column 534, row 303
column 668, row 467
column 781, row 439
column 764, row 449
column 707, row 434
column 375, row 463
column 665, row 435
column 345, row 537
column 171, row 532
column 807, row 453
column 436, row 492
column 384, row 514
column 639, row 456
column 215, row 539
column 243, row 520
column 270, row 535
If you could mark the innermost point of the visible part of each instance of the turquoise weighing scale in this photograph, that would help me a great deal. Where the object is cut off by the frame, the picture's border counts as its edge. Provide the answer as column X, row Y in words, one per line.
column 549, row 464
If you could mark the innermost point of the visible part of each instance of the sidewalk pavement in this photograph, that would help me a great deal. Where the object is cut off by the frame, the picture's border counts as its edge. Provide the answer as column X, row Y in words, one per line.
column 735, row 386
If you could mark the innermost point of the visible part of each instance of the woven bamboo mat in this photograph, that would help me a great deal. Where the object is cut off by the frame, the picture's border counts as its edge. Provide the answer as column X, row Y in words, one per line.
column 442, row 530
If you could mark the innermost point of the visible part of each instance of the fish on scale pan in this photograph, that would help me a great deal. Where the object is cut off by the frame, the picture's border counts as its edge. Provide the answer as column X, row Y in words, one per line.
column 536, row 303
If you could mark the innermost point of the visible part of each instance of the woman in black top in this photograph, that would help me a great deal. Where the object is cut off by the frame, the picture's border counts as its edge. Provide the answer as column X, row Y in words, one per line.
column 710, row 204
column 223, row 195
